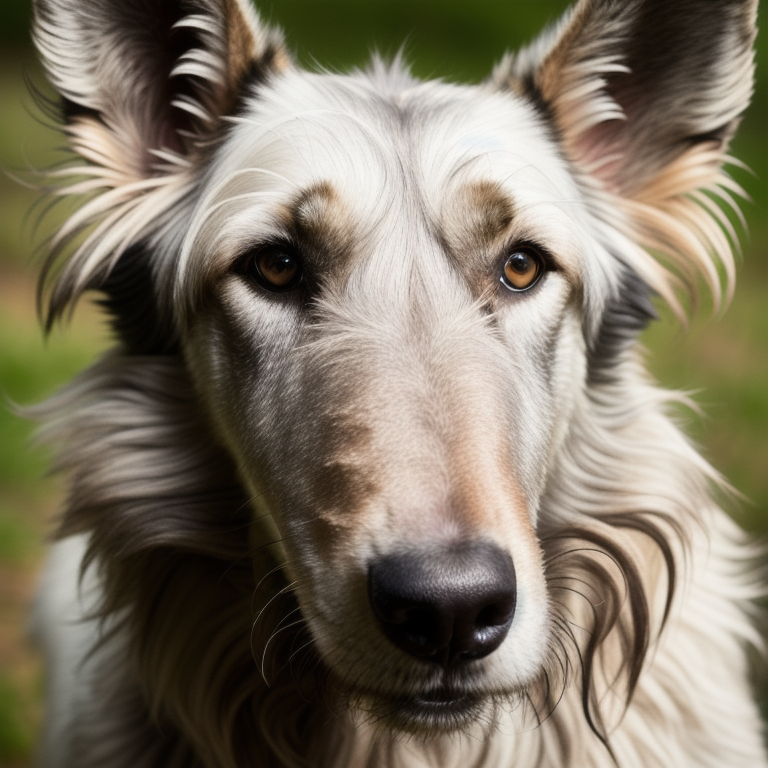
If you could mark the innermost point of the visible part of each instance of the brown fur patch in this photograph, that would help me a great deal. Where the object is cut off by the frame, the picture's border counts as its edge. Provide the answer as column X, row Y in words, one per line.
column 321, row 227
column 340, row 482
column 484, row 490
column 487, row 212
column 473, row 227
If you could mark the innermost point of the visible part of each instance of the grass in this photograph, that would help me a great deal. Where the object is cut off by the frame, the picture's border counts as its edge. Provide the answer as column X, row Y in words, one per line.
column 30, row 370
column 726, row 360
column 723, row 361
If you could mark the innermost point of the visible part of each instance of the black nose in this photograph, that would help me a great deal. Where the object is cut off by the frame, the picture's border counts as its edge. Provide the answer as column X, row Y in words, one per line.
column 447, row 605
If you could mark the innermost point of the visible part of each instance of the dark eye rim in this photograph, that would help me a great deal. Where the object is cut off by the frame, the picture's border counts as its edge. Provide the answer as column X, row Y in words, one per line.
column 249, row 266
column 540, row 256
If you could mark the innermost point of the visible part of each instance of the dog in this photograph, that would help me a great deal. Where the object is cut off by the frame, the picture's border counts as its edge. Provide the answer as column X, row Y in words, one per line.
column 374, row 474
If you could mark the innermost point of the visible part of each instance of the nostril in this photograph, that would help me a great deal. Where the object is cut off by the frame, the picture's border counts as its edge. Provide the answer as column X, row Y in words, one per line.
column 445, row 605
column 497, row 613
column 421, row 631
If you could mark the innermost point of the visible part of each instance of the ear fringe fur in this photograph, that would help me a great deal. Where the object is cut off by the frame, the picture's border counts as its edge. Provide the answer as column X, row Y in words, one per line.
column 132, row 178
column 686, row 235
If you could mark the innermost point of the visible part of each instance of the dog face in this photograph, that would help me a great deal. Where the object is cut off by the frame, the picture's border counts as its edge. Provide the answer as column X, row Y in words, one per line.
column 400, row 394
column 396, row 299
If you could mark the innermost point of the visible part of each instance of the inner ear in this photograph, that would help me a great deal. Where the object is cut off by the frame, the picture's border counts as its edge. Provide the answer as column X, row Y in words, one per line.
column 146, row 78
column 631, row 85
column 166, row 43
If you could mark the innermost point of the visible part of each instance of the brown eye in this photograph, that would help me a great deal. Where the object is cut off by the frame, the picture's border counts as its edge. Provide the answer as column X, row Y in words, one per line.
column 275, row 267
column 522, row 269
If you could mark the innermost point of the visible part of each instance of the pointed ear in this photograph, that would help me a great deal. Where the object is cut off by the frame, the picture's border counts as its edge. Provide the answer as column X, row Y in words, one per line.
column 148, row 82
column 644, row 96
column 146, row 87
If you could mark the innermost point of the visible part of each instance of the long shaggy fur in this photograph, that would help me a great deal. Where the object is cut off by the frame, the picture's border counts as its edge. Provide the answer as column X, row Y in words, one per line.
column 243, row 457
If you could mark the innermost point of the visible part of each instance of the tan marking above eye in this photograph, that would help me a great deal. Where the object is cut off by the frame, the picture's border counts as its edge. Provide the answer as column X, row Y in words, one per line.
column 522, row 269
column 276, row 268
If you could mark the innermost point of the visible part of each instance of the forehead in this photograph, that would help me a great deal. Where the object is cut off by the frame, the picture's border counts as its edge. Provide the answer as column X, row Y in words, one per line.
column 384, row 145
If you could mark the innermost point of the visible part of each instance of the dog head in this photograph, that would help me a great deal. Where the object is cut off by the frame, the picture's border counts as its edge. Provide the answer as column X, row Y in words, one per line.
column 403, row 306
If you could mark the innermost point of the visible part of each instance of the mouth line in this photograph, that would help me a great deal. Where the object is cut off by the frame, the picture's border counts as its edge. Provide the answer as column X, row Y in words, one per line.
column 442, row 697
column 443, row 710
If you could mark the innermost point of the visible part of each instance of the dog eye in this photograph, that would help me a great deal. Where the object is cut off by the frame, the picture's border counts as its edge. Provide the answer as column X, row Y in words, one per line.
column 275, row 267
column 522, row 269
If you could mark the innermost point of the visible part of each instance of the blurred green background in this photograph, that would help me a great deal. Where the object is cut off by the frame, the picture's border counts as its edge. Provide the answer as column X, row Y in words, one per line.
column 724, row 358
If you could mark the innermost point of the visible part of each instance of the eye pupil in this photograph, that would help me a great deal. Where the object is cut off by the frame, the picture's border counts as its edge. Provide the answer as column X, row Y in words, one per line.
column 522, row 269
column 276, row 268
column 279, row 268
column 519, row 262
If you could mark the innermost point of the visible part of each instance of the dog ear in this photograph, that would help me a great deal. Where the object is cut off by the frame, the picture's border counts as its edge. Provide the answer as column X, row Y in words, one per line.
column 146, row 86
column 149, row 81
column 644, row 96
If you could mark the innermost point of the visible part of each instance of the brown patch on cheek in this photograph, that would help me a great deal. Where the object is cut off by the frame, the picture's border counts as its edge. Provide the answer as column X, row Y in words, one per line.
column 342, row 484
column 339, row 489
column 474, row 226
